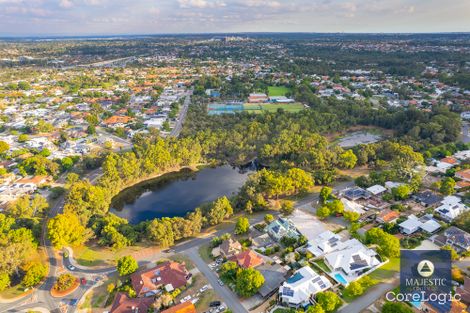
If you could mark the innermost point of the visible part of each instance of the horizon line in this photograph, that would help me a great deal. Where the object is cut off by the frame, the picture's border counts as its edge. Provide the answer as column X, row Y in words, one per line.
column 47, row 36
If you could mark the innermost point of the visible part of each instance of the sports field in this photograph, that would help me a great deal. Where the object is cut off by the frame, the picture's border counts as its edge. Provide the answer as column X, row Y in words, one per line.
column 276, row 91
column 264, row 107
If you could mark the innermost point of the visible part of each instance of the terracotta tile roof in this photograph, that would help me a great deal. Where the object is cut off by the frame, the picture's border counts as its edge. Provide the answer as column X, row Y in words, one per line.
column 388, row 215
column 186, row 307
column 123, row 304
column 34, row 180
column 172, row 273
column 116, row 119
column 465, row 174
column 449, row 160
column 463, row 184
column 247, row 259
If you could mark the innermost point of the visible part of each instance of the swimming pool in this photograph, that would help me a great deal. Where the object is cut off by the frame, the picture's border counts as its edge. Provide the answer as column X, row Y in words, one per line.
column 340, row 279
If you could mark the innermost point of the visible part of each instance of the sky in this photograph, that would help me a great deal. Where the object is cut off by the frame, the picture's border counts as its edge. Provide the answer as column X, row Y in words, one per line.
column 108, row 17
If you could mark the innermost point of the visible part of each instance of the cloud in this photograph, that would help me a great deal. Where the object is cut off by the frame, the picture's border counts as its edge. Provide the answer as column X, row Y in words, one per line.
column 261, row 3
column 94, row 2
column 200, row 4
column 66, row 4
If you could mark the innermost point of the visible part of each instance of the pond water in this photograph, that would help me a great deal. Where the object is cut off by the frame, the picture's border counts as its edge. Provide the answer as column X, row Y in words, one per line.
column 176, row 194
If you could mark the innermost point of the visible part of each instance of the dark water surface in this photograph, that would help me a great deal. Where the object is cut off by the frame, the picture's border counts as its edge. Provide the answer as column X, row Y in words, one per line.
column 176, row 194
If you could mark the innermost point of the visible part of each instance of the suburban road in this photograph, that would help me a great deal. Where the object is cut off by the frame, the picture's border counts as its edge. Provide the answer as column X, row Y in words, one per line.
column 227, row 295
column 175, row 132
column 364, row 301
column 41, row 297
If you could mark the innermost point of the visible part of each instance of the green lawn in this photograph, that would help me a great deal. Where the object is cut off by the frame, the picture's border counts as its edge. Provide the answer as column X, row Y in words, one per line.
column 258, row 108
column 321, row 264
column 387, row 270
column 275, row 91
column 284, row 310
column 205, row 253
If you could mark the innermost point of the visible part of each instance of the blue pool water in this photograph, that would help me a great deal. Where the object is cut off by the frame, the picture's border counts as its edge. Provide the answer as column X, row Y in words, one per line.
column 339, row 278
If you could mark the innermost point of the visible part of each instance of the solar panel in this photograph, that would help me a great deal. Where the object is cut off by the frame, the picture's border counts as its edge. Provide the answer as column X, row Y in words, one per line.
column 287, row 292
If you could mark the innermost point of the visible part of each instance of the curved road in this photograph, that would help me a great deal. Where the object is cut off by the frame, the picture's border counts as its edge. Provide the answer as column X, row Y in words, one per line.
column 41, row 296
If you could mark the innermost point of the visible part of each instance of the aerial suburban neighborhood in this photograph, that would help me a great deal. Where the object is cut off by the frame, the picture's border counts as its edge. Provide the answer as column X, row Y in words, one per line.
column 251, row 172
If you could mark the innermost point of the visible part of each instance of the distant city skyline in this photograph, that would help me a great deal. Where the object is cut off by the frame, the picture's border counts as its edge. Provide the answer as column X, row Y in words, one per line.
column 108, row 17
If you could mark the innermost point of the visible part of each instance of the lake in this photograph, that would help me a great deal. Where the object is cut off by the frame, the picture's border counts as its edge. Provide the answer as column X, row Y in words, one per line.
column 176, row 194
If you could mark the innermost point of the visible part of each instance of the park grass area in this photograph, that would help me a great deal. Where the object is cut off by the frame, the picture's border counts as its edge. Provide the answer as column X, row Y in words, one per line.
column 94, row 255
column 205, row 253
column 276, row 91
column 272, row 107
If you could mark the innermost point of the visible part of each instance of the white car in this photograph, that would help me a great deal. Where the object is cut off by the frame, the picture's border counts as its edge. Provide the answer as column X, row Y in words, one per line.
column 71, row 267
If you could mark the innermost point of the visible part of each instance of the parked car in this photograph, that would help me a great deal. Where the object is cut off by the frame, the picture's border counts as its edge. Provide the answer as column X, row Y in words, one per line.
column 215, row 304
column 221, row 282
column 83, row 281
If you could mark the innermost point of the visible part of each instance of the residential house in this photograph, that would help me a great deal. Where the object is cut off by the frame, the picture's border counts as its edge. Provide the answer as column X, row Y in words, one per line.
column 185, row 307
column 117, row 121
column 457, row 238
column 274, row 276
column 387, row 216
column 227, row 248
column 282, row 227
column 464, row 290
column 446, row 163
column 463, row 174
column 462, row 155
column 414, row 224
column 356, row 193
column 391, row 184
column 410, row 226
column 262, row 241
column 351, row 261
column 325, row 242
column 168, row 275
column 247, row 259
column 301, row 287
column 351, row 206
column 123, row 304
column 428, row 198
column 376, row 190
column 451, row 207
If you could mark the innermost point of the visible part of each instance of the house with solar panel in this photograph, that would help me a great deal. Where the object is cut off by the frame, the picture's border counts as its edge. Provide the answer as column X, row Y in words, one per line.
column 451, row 207
column 325, row 242
column 299, row 289
column 282, row 227
column 351, row 261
